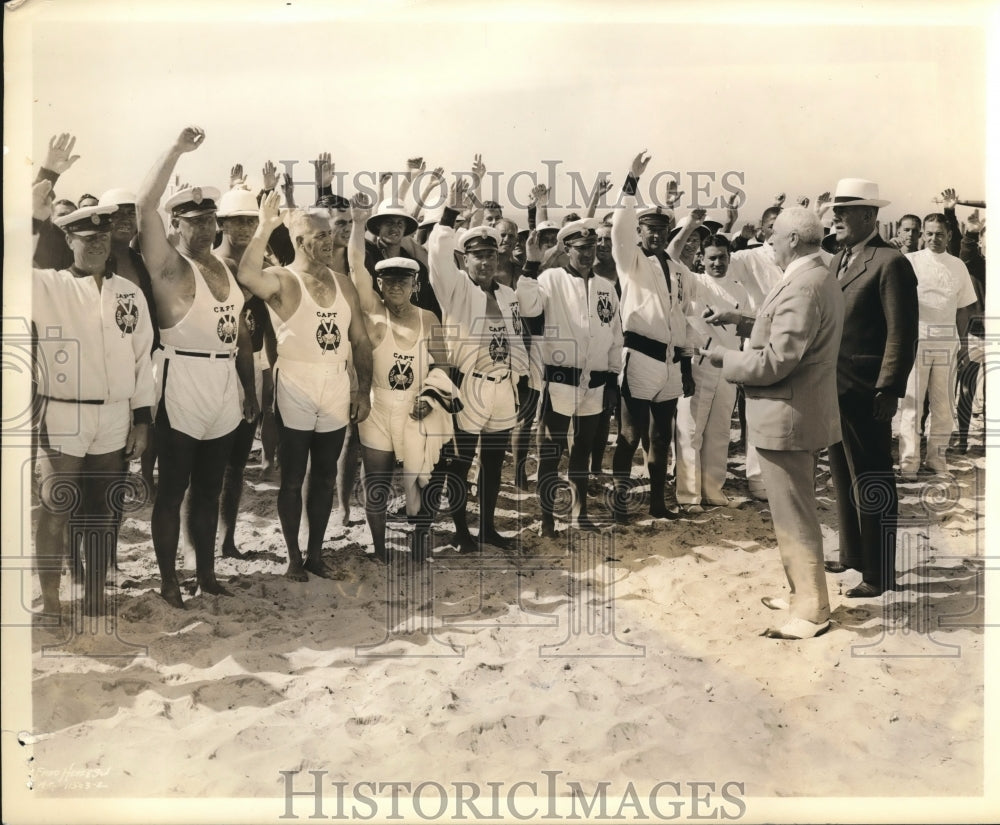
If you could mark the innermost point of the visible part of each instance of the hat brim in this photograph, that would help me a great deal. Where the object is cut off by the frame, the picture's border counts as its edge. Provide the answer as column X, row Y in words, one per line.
column 878, row 204
column 372, row 224
column 195, row 213
column 243, row 213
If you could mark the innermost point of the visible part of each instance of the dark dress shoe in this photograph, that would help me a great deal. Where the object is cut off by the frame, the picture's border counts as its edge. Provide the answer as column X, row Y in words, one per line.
column 835, row 567
column 863, row 591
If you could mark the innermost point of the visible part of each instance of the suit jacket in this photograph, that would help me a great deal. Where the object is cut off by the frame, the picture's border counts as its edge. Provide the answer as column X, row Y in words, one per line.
column 789, row 369
column 880, row 320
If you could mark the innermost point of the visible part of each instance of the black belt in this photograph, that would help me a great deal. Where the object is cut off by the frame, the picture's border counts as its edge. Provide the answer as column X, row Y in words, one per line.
column 572, row 376
column 74, row 400
column 225, row 356
column 647, row 346
column 563, row 375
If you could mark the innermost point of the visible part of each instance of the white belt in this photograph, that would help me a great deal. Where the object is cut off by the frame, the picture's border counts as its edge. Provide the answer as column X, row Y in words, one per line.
column 325, row 367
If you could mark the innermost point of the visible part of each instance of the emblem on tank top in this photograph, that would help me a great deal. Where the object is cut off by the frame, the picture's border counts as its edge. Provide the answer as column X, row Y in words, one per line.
column 401, row 374
column 499, row 349
column 604, row 309
column 328, row 335
column 515, row 317
column 227, row 328
column 126, row 314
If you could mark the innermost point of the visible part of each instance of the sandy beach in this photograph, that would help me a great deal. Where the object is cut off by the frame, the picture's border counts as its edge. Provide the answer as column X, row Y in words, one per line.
column 618, row 657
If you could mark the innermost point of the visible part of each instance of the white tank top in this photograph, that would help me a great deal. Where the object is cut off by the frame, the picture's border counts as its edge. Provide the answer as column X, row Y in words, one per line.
column 395, row 368
column 209, row 325
column 313, row 333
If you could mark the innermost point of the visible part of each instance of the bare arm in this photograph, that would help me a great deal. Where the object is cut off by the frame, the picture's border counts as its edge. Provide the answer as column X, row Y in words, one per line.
column 676, row 246
column 602, row 188
column 244, row 369
column 264, row 283
column 360, row 276
column 361, row 349
column 157, row 253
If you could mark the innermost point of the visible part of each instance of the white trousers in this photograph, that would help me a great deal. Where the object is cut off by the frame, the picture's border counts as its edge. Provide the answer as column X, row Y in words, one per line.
column 933, row 377
column 702, row 436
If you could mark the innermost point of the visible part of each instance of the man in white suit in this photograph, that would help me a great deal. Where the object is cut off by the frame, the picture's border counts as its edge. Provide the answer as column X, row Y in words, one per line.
column 789, row 374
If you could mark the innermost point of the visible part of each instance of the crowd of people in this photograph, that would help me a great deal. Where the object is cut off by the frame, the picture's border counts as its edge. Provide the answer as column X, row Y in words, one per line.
column 363, row 335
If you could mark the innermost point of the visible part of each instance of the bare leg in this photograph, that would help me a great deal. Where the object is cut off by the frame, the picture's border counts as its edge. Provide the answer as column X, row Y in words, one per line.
column 378, row 488
column 325, row 451
column 232, row 487
column 61, row 493
column 176, row 457
column 211, row 458
column 293, row 453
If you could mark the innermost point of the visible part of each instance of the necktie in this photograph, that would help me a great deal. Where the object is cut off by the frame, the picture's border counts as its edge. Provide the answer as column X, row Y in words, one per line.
column 844, row 263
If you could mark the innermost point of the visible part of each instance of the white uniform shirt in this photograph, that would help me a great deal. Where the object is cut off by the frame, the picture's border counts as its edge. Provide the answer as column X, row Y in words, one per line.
column 93, row 343
column 943, row 287
column 582, row 324
column 756, row 270
column 648, row 306
column 475, row 341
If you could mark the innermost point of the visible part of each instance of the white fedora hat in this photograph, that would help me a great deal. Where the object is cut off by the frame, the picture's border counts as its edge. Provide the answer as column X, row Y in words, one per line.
column 857, row 192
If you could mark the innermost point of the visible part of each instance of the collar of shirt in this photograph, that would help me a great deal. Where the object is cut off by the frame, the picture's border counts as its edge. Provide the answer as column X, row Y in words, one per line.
column 577, row 274
column 856, row 249
column 801, row 263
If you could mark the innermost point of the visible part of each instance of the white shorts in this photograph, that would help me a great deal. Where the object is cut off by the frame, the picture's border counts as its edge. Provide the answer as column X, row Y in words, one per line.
column 649, row 379
column 383, row 428
column 312, row 397
column 201, row 395
column 489, row 404
column 566, row 399
column 86, row 429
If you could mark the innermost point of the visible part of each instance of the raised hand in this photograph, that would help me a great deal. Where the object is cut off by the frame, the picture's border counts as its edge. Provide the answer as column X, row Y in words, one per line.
column 41, row 200
column 779, row 199
column 698, row 216
column 639, row 164
column 532, row 251
column 190, row 138
column 540, row 195
column 802, row 201
column 414, row 166
column 270, row 214
column 59, row 158
column 973, row 223
column 673, row 194
column 732, row 209
column 748, row 230
column 822, row 201
column 361, row 207
column 457, row 193
column 270, row 176
column 288, row 189
column 949, row 199
column 237, row 180
column 324, row 170
column 478, row 168
column 604, row 185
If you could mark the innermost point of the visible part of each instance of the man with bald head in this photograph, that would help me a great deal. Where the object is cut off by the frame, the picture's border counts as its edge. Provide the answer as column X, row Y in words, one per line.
column 319, row 326
column 789, row 374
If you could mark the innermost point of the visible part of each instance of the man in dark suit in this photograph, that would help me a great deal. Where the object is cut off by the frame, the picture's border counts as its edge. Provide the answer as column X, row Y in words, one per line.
column 876, row 355
column 789, row 375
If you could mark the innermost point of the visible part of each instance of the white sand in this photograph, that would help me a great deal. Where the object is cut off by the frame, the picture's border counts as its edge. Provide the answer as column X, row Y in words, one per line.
column 654, row 667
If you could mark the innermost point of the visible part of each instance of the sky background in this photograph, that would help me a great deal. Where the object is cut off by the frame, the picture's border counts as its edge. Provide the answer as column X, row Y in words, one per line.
column 792, row 105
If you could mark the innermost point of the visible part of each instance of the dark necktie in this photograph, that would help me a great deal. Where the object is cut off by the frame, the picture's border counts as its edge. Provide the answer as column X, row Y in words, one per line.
column 844, row 263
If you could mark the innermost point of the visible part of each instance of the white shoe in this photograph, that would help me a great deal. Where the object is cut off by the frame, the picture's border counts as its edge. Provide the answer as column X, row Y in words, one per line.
column 798, row 629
